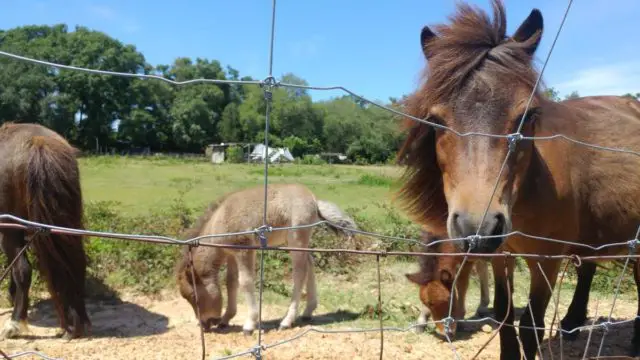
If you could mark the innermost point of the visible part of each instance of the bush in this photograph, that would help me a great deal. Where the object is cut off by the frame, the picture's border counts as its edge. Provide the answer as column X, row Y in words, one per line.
column 234, row 154
column 312, row 160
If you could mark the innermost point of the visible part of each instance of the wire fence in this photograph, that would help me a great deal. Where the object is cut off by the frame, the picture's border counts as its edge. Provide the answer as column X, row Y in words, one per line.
column 268, row 85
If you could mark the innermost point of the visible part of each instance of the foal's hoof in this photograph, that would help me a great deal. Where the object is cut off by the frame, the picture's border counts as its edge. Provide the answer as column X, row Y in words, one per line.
column 222, row 326
column 9, row 334
column 419, row 329
column 247, row 332
column 306, row 319
column 284, row 327
column 13, row 329
column 483, row 312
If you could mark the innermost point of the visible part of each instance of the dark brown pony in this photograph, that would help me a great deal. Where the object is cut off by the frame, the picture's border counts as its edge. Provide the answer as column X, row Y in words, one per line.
column 40, row 182
column 480, row 80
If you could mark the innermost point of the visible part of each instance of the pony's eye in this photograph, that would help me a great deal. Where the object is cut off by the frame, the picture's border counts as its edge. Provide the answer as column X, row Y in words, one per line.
column 529, row 116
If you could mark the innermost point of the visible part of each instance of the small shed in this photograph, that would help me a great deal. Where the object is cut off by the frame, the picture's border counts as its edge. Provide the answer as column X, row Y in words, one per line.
column 217, row 151
column 275, row 155
column 334, row 157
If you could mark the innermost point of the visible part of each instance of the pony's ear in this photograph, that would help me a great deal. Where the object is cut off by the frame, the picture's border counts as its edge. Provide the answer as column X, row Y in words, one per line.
column 530, row 32
column 419, row 277
column 426, row 35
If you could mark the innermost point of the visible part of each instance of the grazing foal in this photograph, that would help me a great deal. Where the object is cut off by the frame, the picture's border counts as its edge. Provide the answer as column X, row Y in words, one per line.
column 435, row 279
column 289, row 205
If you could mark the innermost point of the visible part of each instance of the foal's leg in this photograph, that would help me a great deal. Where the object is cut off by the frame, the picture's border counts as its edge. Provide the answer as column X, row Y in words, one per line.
column 312, row 291
column 232, row 292
column 12, row 242
column 300, row 260
column 246, row 272
column 423, row 319
column 482, row 269
column 635, row 342
column 509, row 347
column 460, row 295
column 577, row 312
column 539, row 295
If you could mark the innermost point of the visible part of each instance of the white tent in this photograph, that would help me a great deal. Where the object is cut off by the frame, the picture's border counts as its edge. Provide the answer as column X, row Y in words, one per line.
column 275, row 154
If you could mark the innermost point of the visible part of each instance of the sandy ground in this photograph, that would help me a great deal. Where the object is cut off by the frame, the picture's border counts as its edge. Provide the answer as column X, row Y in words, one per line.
column 165, row 328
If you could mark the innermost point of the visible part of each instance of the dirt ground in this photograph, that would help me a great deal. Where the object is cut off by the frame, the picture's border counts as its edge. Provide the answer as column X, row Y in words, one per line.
column 165, row 328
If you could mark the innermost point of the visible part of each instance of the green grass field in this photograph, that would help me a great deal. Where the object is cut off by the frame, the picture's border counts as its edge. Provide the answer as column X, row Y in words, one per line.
column 162, row 195
column 140, row 185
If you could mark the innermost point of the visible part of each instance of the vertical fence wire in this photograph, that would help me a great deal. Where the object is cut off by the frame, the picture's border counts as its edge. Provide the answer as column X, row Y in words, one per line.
column 269, row 85
column 381, row 313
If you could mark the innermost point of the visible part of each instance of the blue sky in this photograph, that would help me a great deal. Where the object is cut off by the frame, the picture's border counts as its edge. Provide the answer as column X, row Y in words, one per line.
column 370, row 47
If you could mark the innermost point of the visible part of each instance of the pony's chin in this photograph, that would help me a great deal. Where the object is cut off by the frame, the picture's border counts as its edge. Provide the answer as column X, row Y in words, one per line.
column 486, row 245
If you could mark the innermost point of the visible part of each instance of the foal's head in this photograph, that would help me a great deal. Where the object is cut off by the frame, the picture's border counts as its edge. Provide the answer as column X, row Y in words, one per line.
column 435, row 281
column 207, row 288
column 478, row 80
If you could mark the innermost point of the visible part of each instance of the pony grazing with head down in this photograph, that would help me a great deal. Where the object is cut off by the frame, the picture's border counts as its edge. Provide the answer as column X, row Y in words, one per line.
column 435, row 280
column 288, row 205
column 40, row 182
column 480, row 80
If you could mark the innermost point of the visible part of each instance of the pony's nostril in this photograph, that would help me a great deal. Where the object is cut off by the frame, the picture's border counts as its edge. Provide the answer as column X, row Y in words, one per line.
column 499, row 223
column 462, row 224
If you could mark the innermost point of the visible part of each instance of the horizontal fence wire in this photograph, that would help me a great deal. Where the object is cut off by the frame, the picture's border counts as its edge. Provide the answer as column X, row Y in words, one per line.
column 23, row 224
column 270, row 81
column 268, row 85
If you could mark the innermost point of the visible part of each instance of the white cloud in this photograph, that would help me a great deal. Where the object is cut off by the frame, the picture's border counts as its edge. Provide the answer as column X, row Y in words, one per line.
column 613, row 79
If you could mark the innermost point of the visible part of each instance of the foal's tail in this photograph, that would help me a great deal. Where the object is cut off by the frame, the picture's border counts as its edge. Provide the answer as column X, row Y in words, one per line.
column 54, row 197
column 338, row 221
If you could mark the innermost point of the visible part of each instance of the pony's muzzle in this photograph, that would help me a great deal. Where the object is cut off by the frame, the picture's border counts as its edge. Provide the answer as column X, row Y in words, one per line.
column 445, row 333
column 208, row 323
column 490, row 231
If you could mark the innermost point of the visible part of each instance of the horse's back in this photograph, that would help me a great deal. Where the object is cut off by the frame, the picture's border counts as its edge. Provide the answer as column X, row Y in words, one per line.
column 608, row 180
column 287, row 205
column 17, row 140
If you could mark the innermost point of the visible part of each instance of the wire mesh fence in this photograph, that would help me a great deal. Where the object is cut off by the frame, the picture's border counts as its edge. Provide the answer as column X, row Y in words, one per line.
column 268, row 85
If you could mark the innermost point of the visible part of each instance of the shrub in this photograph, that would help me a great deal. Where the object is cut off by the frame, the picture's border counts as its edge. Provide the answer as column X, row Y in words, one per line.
column 234, row 154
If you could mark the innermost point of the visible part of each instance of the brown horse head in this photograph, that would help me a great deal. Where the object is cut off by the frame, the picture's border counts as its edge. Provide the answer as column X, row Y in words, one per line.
column 208, row 290
column 195, row 276
column 435, row 280
column 477, row 80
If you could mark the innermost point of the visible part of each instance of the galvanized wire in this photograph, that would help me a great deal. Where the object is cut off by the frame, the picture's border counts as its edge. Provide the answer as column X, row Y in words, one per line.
column 269, row 84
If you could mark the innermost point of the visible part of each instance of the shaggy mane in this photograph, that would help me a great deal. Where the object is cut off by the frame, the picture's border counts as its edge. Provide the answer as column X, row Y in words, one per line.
column 196, row 229
column 466, row 52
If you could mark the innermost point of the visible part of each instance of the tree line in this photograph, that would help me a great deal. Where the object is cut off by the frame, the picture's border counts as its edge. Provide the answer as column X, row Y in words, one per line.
column 108, row 111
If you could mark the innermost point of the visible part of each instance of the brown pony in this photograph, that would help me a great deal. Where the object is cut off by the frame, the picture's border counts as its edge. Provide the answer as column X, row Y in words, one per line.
column 480, row 80
column 40, row 182
column 435, row 279
column 287, row 205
